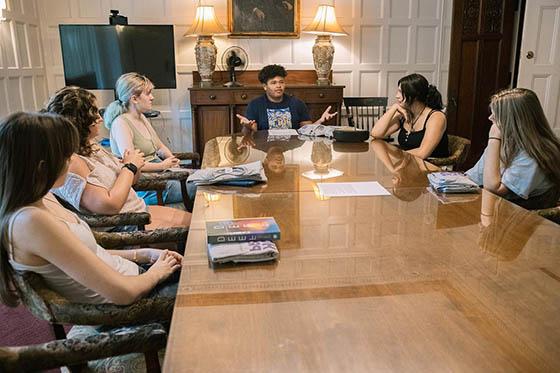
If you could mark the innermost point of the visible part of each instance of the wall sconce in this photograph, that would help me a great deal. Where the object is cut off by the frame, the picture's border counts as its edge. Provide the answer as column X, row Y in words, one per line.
column 204, row 26
column 324, row 25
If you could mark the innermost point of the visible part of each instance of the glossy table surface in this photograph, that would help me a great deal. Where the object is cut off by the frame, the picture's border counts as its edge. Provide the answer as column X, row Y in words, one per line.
column 390, row 283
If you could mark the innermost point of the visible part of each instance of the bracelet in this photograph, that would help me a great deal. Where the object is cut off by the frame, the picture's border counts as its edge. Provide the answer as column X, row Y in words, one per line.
column 494, row 138
column 134, row 255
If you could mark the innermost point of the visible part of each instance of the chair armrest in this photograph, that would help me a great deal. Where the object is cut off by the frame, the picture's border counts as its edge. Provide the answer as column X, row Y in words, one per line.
column 146, row 184
column 73, row 351
column 126, row 218
column 447, row 161
column 48, row 305
column 158, row 180
column 194, row 157
column 120, row 239
column 552, row 214
column 166, row 175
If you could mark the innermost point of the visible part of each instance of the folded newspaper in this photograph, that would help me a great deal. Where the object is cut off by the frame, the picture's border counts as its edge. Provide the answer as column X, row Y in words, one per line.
column 246, row 174
column 242, row 252
column 316, row 130
column 452, row 182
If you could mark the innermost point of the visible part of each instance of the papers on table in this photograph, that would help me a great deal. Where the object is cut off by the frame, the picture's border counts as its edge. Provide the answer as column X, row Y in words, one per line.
column 452, row 182
column 356, row 189
column 244, row 175
column 316, row 130
column 242, row 252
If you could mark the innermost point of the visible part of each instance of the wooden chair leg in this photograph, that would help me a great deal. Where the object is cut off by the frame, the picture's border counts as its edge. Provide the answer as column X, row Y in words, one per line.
column 160, row 197
column 152, row 362
column 59, row 332
column 184, row 194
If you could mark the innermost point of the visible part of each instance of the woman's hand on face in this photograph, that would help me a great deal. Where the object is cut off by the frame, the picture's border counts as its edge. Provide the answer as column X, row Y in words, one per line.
column 134, row 156
column 170, row 162
column 398, row 109
column 167, row 263
column 495, row 131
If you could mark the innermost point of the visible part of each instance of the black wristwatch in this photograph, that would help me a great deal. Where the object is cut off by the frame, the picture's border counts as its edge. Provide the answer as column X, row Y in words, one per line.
column 132, row 167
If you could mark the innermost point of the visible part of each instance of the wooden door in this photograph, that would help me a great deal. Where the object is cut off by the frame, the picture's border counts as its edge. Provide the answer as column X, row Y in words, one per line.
column 481, row 47
column 539, row 60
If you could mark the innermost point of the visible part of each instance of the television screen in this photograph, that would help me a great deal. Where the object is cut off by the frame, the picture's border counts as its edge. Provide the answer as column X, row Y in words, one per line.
column 94, row 56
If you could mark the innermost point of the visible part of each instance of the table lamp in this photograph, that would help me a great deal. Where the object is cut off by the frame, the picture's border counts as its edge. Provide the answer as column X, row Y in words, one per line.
column 324, row 25
column 204, row 26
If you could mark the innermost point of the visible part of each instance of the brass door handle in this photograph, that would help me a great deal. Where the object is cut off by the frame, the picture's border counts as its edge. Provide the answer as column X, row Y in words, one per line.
column 530, row 55
column 244, row 96
column 321, row 95
column 212, row 97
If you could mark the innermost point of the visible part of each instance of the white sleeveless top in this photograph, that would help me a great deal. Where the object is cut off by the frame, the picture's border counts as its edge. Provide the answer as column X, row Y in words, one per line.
column 104, row 170
column 58, row 280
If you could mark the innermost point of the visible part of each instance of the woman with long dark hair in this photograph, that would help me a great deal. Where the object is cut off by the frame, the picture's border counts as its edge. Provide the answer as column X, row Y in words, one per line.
column 521, row 160
column 418, row 116
column 37, row 234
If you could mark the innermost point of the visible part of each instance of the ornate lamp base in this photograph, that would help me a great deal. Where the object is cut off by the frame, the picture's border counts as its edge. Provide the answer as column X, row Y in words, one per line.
column 205, row 52
column 323, row 54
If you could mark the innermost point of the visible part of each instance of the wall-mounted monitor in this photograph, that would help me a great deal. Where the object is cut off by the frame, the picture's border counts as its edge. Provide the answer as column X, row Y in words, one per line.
column 94, row 56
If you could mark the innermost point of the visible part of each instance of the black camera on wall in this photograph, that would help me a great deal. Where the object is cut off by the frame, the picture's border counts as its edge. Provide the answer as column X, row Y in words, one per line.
column 116, row 19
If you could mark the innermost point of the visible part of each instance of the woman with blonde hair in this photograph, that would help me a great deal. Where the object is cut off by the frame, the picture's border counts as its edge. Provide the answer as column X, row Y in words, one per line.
column 98, row 182
column 38, row 235
column 521, row 160
column 129, row 129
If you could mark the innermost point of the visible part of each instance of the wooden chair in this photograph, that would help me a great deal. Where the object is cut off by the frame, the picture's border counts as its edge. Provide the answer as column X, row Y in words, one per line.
column 157, row 181
column 133, row 328
column 363, row 112
column 458, row 148
column 75, row 352
column 139, row 219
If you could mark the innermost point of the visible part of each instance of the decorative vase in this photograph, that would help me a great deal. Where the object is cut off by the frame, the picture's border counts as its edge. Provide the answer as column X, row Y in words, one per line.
column 205, row 52
column 323, row 54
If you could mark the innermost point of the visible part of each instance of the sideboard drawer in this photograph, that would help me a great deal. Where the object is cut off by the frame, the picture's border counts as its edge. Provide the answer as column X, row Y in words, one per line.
column 313, row 96
column 214, row 97
column 244, row 97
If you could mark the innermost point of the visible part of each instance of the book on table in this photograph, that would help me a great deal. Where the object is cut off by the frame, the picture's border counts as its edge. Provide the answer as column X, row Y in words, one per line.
column 242, row 230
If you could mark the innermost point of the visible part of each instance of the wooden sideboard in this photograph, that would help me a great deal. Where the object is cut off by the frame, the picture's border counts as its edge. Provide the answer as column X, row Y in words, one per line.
column 214, row 108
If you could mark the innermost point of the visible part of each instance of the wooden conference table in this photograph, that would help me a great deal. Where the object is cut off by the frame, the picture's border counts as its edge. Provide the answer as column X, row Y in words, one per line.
column 390, row 283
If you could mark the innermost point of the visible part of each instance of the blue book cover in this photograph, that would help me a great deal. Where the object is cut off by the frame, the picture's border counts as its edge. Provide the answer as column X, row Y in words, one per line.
column 242, row 230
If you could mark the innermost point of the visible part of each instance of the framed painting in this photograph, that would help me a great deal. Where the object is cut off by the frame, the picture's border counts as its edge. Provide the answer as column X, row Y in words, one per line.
column 263, row 18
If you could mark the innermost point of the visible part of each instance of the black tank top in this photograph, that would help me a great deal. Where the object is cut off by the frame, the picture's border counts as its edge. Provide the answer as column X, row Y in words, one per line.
column 412, row 140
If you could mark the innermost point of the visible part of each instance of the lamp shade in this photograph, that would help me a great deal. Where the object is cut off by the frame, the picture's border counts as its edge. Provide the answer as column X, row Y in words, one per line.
column 205, row 23
column 325, row 22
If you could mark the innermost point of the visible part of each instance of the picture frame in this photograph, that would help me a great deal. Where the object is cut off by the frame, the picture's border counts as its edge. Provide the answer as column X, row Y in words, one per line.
column 264, row 18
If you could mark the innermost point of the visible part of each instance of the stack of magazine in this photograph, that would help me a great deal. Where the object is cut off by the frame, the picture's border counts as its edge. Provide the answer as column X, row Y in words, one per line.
column 452, row 182
column 242, row 240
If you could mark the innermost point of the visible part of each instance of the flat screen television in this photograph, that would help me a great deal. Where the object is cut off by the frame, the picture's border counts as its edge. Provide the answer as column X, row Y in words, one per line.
column 94, row 56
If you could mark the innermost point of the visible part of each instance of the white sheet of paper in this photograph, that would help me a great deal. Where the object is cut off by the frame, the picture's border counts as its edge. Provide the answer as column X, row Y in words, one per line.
column 356, row 189
column 282, row 132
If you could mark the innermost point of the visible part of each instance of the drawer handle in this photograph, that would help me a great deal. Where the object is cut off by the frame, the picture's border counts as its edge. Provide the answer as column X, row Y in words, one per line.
column 244, row 96
column 212, row 97
column 321, row 95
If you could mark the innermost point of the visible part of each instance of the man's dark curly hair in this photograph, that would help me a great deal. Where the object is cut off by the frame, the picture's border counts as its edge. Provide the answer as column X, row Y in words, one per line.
column 77, row 105
column 271, row 71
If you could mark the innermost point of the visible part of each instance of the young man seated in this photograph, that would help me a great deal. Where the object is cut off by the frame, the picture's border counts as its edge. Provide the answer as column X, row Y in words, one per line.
column 274, row 109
